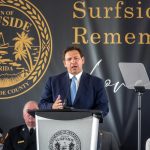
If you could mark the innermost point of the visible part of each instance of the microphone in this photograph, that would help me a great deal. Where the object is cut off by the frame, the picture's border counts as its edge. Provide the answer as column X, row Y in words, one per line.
column 67, row 94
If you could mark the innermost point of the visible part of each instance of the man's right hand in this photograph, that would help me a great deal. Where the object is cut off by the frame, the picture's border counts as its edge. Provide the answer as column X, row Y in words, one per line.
column 58, row 103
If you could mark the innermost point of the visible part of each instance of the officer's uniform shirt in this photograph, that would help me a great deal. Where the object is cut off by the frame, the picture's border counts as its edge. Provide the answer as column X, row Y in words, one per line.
column 19, row 138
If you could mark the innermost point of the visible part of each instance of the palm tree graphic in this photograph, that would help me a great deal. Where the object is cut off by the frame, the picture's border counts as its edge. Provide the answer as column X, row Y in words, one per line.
column 22, row 46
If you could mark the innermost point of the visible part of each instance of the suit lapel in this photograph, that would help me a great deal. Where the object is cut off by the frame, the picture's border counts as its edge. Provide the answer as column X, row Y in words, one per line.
column 83, row 86
column 65, row 87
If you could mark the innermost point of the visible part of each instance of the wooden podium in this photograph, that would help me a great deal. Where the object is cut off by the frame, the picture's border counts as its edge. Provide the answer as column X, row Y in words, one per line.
column 72, row 129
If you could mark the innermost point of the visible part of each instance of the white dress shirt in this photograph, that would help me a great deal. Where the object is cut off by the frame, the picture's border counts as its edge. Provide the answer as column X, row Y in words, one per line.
column 78, row 76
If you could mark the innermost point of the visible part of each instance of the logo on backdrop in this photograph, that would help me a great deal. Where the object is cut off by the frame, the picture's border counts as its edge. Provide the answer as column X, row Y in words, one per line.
column 25, row 47
column 64, row 139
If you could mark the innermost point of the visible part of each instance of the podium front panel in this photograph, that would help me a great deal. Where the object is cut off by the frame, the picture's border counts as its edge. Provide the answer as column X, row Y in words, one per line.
column 75, row 133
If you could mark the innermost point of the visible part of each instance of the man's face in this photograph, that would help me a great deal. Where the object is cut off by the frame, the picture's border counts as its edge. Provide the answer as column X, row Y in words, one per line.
column 29, row 120
column 73, row 62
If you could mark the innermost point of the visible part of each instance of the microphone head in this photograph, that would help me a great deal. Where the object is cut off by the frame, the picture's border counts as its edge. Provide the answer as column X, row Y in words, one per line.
column 65, row 102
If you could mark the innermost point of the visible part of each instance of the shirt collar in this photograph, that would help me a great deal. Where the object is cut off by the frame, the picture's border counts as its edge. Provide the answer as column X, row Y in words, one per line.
column 30, row 128
column 78, row 76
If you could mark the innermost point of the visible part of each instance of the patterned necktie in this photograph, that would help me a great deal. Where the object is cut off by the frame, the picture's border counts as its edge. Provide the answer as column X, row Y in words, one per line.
column 73, row 88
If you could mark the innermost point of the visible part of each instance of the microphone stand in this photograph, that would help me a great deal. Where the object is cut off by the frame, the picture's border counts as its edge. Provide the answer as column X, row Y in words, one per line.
column 65, row 105
column 67, row 94
column 139, row 90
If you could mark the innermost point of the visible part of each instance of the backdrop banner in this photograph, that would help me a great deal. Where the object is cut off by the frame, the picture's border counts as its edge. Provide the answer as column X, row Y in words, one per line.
column 33, row 35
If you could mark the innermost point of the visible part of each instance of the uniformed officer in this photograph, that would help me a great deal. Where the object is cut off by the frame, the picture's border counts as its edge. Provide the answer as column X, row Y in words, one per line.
column 23, row 137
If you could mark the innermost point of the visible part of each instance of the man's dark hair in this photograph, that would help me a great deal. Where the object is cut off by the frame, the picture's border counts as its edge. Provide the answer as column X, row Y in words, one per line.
column 71, row 49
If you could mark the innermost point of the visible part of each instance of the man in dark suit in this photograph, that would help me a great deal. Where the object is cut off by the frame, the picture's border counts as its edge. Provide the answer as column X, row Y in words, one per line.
column 107, row 141
column 23, row 137
column 90, row 92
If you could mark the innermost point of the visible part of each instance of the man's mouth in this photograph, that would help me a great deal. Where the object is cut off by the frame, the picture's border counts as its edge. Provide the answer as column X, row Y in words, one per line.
column 74, row 67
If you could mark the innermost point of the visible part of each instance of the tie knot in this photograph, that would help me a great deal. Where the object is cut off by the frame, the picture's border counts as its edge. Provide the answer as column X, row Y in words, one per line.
column 74, row 78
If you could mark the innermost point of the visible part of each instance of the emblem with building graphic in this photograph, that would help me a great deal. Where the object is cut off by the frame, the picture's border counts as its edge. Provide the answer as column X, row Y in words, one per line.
column 25, row 47
column 64, row 140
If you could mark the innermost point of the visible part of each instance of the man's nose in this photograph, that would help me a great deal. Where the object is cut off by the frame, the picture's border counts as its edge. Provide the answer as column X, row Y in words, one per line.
column 73, row 60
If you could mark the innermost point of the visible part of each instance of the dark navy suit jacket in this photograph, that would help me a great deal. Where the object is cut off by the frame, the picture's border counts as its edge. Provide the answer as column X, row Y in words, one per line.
column 18, row 138
column 91, row 93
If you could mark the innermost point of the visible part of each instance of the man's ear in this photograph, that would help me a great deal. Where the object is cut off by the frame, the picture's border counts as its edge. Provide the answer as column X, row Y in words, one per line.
column 83, row 60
